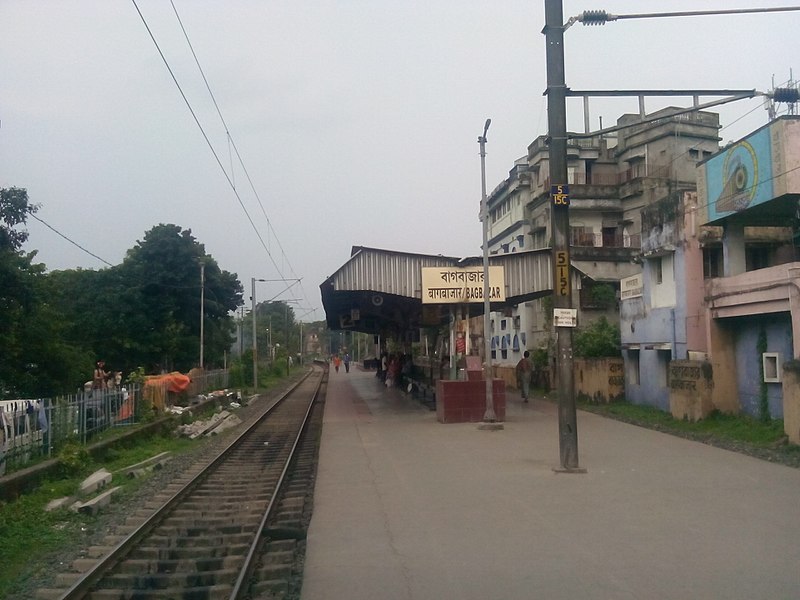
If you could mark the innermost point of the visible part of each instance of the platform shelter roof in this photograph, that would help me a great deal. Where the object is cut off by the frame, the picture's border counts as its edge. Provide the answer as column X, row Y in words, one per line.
column 380, row 291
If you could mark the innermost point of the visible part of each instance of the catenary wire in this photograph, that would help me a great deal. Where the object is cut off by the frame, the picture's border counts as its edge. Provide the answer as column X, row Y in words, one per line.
column 205, row 136
column 232, row 143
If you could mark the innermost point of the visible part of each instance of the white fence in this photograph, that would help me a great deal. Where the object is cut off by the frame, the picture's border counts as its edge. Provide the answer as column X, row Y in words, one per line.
column 38, row 428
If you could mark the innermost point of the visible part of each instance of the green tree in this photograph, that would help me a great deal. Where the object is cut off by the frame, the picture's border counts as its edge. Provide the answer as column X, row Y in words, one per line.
column 278, row 316
column 599, row 340
column 36, row 358
column 162, row 272
column 144, row 312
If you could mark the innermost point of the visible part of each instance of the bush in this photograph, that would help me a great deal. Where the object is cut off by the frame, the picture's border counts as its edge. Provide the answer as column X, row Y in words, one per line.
column 73, row 459
column 238, row 374
column 601, row 339
column 602, row 295
column 540, row 358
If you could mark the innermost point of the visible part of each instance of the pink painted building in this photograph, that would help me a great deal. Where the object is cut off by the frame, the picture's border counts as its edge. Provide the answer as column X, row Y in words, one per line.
column 749, row 219
column 719, row 279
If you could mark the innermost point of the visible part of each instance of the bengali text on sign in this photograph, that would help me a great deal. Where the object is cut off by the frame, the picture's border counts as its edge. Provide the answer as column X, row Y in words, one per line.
column 453, row 285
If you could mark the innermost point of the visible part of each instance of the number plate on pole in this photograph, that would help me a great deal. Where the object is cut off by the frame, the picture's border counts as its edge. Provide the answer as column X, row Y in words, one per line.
column 562, row 273
column 560, row 194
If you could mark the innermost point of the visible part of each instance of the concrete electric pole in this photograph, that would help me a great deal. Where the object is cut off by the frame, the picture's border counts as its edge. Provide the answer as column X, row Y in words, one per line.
column 559, row 225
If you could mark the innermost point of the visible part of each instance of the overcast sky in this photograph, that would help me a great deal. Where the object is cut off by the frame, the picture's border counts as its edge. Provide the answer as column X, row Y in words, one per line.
column 357, row 121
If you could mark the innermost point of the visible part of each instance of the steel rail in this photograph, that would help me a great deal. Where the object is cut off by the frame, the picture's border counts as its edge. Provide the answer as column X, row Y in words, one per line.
column 90, row 578
column 249, row 562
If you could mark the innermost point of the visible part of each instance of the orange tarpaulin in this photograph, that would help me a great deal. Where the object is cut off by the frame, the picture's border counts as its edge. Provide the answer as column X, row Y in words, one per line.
column 156, row 386
column 175, row 381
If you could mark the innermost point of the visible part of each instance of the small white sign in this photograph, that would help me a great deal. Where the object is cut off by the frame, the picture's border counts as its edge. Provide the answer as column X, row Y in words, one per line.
column 565, row 317
column 631, row 287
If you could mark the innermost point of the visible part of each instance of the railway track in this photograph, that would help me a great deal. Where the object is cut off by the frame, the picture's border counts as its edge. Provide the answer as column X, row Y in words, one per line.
column 228, row 529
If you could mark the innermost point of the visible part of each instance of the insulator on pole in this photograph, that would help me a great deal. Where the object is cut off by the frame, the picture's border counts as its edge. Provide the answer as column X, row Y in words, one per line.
column 786, row 95
column 594, row 17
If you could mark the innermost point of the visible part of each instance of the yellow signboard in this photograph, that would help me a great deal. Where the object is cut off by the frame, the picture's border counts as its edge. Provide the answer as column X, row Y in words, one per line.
column 452, row 285
column 562, row 273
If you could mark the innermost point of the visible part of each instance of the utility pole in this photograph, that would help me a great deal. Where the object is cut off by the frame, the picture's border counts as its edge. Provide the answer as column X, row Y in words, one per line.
column 559, row 225
column 241, row 331
column 253, row 312
column 557, row 93
column 202, row 307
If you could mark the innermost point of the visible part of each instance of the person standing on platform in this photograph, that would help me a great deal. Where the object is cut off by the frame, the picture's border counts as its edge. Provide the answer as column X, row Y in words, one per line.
column 346, row 362
column 384, row 365
column 336, row 362
column 524, row 370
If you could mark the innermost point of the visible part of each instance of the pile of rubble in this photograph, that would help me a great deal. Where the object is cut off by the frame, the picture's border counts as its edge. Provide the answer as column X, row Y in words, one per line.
column 217, row 423
column 220, row 421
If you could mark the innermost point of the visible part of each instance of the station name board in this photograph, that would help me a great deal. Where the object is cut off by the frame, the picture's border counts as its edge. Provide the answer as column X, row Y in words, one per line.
column 453, row 285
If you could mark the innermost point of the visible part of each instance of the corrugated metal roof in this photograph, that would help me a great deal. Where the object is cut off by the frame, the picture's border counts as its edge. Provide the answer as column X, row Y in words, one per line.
column 400, row 273
column 386, row 271
column 381, row 290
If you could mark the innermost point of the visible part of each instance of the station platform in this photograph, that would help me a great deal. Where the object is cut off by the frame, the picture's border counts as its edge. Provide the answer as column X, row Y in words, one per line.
column 408, row 508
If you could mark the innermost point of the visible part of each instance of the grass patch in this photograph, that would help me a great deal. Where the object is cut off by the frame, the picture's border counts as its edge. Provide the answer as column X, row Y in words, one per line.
column 28, row 533
column 732, row 428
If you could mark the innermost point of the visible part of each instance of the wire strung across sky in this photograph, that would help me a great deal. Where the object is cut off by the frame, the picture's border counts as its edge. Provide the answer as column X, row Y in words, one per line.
column 211, row 146
column 71, row 241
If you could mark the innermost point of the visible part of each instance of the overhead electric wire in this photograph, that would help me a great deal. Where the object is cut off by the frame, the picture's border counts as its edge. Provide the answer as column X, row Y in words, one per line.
column 104, row 261
column 232, row 143
column 205, row 136
column 71, row 241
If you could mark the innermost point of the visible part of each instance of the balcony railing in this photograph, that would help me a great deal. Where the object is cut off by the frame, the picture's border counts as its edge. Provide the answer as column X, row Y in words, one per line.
column 598, row 240
column 638, row 172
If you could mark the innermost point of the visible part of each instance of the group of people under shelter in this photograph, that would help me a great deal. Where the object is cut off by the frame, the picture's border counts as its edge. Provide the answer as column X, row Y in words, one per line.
column 395, row 368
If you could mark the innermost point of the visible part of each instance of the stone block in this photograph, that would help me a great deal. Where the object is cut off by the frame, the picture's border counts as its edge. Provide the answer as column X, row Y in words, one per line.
column 93, row 506
column 154, row 462
column 58, row 503
column 95, row 481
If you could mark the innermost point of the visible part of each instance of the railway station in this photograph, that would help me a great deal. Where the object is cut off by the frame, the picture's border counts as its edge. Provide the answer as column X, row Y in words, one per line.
column 395, row 295
column 408, row 505
column 380, row 291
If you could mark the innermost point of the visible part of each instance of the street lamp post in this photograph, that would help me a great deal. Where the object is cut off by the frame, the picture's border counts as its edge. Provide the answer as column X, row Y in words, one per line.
column 489, row 416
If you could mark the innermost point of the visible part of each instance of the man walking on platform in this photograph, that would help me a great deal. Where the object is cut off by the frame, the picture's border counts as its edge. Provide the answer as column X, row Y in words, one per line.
column 524, row 370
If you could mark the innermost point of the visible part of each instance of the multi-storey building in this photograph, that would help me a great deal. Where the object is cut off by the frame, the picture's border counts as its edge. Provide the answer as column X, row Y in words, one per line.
column 611, row 179
column 719, row 284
